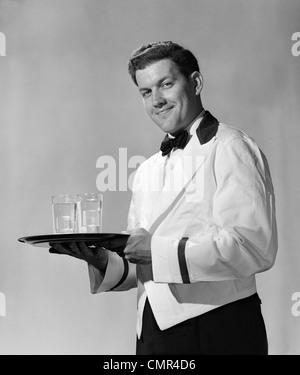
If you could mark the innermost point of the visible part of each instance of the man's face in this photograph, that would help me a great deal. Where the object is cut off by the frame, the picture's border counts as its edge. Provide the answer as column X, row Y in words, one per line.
column 171, row 100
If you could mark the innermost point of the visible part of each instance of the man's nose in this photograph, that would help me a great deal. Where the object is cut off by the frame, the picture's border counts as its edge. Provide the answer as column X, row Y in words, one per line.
column 157, row 99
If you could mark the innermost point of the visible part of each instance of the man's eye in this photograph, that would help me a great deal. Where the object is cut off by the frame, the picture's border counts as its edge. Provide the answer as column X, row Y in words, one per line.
column 145, row 94
column 167, row 84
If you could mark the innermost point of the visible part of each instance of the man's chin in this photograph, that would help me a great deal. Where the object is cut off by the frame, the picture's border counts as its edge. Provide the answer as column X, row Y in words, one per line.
column 166, row 127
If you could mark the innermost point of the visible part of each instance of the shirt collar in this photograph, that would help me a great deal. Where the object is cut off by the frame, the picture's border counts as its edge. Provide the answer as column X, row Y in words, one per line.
column 205, row 125
column 191, row 128
column 194, row 125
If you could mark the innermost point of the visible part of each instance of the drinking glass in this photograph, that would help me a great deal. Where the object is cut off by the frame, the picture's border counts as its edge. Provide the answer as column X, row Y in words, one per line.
column 89, row 212
column 64, row 213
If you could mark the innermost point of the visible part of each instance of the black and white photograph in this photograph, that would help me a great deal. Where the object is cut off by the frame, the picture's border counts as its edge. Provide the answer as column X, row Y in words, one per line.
column 150, row 179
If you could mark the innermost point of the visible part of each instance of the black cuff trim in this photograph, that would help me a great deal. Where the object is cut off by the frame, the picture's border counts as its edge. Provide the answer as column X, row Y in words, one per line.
column 125, row 274
column 182, row 261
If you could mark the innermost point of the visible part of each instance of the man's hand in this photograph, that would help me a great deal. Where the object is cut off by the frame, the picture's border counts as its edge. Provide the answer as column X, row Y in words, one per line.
column 138, row 248
column 97, row 257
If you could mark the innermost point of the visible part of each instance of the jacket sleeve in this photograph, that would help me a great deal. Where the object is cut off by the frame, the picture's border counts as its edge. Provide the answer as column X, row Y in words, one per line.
column 242, row 239
column 120, row 275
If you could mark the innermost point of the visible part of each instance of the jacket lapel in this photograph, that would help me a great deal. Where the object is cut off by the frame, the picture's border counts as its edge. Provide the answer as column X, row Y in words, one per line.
column 208, row 128
column 182, row 170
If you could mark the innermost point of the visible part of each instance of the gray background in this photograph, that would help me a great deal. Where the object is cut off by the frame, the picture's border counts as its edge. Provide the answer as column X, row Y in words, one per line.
column 66, row 100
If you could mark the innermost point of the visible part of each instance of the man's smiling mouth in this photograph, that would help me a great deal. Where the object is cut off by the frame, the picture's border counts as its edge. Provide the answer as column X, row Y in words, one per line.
column 163, row 111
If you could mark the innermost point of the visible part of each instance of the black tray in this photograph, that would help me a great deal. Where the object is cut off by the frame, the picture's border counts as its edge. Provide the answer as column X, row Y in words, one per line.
column 112, row 241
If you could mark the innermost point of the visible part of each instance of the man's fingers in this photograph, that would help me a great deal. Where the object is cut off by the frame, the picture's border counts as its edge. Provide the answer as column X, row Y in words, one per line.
column 74, row 248
column 128, row 248
column 63, row 249
column 54, row 251
column 85, row 250
column 80, row 250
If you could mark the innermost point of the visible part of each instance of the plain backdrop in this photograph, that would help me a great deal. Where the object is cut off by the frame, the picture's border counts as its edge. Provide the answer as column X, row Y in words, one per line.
column 66, row 100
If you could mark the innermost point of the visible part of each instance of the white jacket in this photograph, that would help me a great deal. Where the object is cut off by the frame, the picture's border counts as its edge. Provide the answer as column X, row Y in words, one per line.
column 212, row 222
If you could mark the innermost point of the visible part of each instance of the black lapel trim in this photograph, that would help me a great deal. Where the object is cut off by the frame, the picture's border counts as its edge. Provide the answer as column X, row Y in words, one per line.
column 208, row 128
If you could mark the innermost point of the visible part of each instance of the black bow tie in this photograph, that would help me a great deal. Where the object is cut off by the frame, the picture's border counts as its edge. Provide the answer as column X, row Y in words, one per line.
column 180, row 141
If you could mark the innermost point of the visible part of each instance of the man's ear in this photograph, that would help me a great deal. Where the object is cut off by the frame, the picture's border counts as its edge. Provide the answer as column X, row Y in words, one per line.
column 198, row 82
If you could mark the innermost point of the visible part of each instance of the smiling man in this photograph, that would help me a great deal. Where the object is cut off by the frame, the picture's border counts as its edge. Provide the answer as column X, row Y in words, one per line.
column 197, row 244
column 171, row 99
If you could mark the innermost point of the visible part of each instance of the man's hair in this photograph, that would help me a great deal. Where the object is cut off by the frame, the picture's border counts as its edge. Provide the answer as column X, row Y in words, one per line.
column 150, row 53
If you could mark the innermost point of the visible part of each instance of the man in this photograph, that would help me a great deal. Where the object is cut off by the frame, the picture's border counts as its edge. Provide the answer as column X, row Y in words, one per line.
column 202, row 222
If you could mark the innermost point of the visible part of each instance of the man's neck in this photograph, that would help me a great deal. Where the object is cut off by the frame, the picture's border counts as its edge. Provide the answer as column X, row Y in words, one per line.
column 188, row 127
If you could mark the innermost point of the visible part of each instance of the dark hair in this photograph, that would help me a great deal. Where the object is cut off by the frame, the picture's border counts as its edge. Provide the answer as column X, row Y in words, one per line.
column 153, row 52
